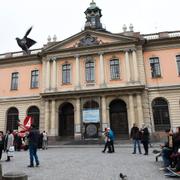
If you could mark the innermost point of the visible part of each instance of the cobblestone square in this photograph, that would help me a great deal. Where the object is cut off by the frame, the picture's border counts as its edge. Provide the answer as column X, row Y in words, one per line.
column 86, row 163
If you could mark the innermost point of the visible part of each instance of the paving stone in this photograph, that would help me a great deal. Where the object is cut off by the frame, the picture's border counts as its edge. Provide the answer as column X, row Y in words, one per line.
column 86, row 164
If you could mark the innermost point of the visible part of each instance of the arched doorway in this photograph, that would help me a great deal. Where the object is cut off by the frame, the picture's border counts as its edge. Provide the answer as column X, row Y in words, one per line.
column 118, row 118
column 160, row 114
column 91, row 119
column 12, row 119
column 66, row 120
column 34, row 112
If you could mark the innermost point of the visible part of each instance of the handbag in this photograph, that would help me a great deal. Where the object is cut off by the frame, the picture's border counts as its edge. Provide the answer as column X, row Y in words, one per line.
column 10, row 151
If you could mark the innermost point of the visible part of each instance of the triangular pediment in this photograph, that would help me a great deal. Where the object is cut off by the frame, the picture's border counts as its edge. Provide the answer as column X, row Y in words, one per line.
column 89, row 38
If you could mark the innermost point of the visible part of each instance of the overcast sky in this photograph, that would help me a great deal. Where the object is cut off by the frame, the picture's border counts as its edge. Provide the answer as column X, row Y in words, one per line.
column 66, row 18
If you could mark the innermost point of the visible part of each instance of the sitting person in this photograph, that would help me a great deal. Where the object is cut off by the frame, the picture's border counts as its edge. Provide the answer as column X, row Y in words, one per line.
column 167, row 150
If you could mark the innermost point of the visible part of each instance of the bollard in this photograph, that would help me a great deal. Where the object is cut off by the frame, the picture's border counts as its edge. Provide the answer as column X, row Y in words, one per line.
column 14, row 176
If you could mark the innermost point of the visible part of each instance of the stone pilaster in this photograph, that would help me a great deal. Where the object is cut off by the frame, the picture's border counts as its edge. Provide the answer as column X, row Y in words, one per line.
column 139, row 110
column 46, row 126
column 53, row 118
column 104, row 113
column 43, row 75
column 131, row 111
column 78, row 120
column 128, row 72
column 136, row 74
column 77, row 85
column 54, row 75
column 101, row 75
column 48, row 75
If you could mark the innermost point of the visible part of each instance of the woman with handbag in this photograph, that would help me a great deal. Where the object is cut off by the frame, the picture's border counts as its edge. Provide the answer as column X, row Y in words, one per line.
column 9, row 144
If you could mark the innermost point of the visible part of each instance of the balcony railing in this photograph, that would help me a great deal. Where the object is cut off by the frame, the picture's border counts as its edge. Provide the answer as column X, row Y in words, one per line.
column 160, row 35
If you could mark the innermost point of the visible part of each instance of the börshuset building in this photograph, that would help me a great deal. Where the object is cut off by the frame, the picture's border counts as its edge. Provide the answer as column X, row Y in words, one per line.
column 94, row 79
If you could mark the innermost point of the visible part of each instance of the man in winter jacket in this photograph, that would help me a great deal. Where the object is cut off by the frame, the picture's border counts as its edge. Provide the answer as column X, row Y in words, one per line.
column 33, row 138
column 136, row 136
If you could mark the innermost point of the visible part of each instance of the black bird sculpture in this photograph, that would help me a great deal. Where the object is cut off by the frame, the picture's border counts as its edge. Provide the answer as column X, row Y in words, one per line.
column 123, row 177
column 25, row 43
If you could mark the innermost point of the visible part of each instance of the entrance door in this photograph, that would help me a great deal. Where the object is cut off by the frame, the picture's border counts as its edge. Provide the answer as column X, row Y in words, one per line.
column 66, row 120
column 118, row 119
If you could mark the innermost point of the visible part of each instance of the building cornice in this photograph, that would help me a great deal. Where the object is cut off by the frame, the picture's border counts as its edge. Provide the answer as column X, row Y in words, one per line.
column 19, row 98
column 29, row 59
column 161, row 44
column 163, row 88
column 93, row 92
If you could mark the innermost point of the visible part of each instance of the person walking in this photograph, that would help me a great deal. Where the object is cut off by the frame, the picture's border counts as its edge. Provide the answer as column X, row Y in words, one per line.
column 33, row 139
column 9, row 143
column 135, row 136
column 45, row 140
column 107, row 141
column 145, row 138
column 111, row 136
column 1, row 143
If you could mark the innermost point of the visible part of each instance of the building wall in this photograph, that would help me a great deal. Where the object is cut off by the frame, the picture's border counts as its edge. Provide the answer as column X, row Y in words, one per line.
column 24, row 81
column 168, row 65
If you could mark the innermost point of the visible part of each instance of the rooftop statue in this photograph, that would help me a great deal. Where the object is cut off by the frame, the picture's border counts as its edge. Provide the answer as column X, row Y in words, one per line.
column 25, row 43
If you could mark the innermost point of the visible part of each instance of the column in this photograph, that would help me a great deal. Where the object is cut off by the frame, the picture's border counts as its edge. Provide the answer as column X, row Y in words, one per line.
column 139, row 110
column 46, row 118
column 136, row 75
column 101, row 64
column 104, row 113
column 44, row 75
column 128, row 75
column 48, row 75
column 77, row 85
column 53, row 118
column 131, row 111
column 78, row 120
column 54, row 74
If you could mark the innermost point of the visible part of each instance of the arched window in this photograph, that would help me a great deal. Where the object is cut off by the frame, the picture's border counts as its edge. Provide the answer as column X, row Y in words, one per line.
column 160, row 114
column 12, row 119
column 34, row 112
column 91, row 105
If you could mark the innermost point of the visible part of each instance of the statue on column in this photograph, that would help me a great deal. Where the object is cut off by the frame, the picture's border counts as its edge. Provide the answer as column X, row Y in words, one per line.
column 25, row 43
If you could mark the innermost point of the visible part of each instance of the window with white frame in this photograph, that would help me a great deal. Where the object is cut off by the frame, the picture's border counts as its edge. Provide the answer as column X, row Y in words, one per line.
column 89, row 71
column 66, row 73
column 155, row 67
column 178, row 63
column 14, row 81
column 114, row 69
column 34, row 78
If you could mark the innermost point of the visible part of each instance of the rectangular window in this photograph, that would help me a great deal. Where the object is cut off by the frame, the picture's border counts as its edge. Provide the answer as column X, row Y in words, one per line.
column 89, row 71
column 14, row 81
column 66, row 73
column 178, row 64
column 155, row 67
column 114, row 69
column 34, row 78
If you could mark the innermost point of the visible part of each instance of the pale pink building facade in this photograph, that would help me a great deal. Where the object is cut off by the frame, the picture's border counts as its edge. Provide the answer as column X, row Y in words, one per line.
column 95, row 79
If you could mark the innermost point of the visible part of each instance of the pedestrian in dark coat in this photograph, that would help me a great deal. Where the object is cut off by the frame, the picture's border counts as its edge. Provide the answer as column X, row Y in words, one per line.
column 136, row 137
column 107, row 141
column 33, row 139
column 145, row 138
column 1, row 143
